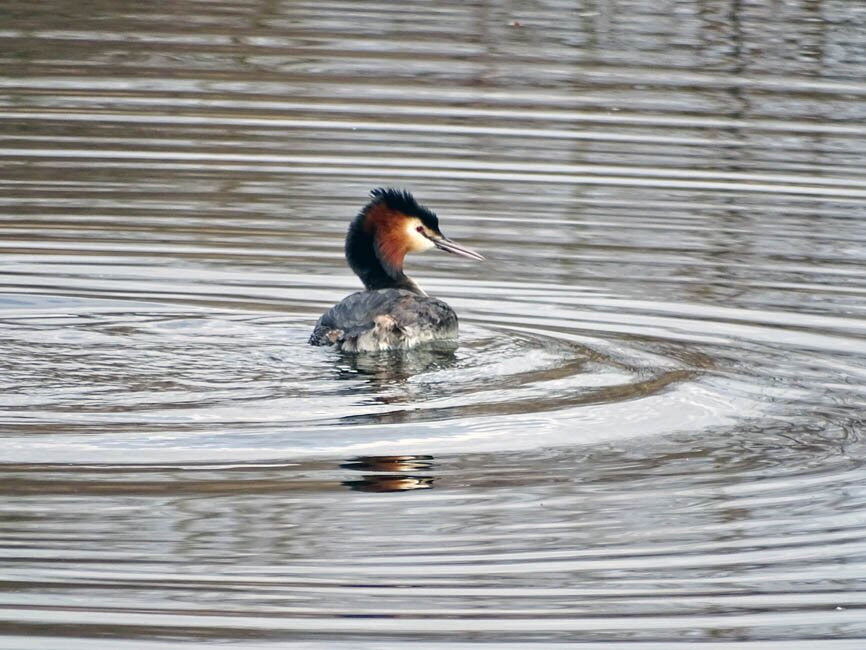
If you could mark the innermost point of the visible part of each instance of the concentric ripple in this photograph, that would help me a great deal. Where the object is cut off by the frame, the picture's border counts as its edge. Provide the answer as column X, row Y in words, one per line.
column 161, row 384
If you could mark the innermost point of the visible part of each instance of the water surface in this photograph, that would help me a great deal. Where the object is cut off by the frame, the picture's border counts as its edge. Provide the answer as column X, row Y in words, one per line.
column 650, row 434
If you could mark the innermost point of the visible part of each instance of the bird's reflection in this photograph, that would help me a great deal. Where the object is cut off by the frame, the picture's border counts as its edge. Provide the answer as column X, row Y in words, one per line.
column 398, row 365
column 394, row 473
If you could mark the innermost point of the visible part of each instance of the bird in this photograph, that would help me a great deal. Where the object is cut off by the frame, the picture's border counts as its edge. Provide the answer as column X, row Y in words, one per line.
column 393, row 312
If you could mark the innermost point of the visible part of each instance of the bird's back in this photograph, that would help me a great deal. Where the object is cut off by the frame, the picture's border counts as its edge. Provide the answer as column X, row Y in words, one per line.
column 384, row 319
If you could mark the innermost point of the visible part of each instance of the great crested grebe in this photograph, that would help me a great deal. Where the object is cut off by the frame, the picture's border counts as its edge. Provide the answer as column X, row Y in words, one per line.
column 393, row 312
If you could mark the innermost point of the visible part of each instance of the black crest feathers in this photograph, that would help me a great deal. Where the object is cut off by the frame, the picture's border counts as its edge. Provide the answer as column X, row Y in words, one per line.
column 402, row 201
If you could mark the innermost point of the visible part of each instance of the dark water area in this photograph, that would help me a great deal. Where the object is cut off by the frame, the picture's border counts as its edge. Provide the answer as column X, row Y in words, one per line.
column 651, row 434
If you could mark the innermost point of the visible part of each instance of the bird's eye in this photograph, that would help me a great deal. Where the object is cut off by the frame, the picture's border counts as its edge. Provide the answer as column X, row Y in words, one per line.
column 420, row 229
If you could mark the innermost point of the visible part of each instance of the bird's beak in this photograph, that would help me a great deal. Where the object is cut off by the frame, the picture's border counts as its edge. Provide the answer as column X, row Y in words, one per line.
column 445, row 244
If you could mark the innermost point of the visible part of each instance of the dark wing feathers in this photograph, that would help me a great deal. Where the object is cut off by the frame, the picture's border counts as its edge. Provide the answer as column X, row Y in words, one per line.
column 355, row 314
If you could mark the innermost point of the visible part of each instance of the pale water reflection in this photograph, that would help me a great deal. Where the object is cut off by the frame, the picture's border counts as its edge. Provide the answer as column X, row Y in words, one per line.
column 650, row 434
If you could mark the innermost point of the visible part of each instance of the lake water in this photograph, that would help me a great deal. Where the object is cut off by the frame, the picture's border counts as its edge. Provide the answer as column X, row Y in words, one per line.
column 652, row 432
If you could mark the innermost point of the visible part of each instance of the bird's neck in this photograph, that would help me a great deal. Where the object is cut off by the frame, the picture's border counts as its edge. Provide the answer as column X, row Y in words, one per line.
column 376, row 261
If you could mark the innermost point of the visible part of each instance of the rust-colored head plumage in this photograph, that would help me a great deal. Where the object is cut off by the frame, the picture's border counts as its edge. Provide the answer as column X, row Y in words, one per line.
column 398, row 225
column 391, row 225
